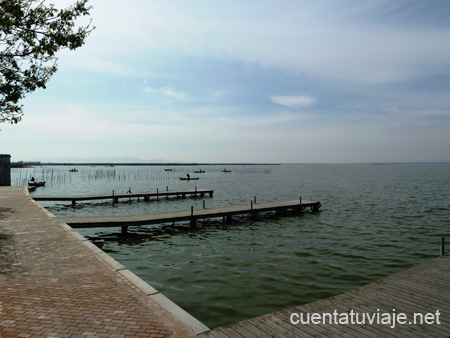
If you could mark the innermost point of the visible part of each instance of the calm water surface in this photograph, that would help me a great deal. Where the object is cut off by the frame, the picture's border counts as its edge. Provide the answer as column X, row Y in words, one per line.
column 375, row 220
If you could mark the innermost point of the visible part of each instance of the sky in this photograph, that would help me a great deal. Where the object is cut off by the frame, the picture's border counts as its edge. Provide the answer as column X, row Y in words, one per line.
column 286, row 81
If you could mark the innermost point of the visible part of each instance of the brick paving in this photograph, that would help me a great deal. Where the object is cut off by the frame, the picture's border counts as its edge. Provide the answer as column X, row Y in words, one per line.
column 51, row 285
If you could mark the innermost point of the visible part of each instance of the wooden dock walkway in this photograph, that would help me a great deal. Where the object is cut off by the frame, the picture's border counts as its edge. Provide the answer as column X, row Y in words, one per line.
column 187, row 215
column 115, row 197
column 419, row 297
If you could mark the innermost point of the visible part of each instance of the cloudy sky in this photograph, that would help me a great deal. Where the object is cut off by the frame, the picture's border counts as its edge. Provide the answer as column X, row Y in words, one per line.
column 248, row 81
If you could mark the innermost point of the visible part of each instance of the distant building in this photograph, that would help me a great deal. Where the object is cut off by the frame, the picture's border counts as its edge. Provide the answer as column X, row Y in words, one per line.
column 5, row 170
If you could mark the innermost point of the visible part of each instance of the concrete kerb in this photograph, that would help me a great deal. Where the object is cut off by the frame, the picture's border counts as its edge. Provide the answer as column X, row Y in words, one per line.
column 195, row 325
column 177, row 312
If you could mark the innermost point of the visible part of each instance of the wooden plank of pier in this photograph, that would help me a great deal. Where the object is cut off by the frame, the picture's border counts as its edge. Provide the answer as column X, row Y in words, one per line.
column 115, row 197
column 421, row 290
column 190, row 215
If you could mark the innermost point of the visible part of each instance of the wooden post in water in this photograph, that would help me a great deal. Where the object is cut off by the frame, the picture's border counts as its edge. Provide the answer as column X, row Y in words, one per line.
column 193, row 221
column 443, row 246
column 124, row 229
column 204, row 204
column 157, row 194
column 254, row 199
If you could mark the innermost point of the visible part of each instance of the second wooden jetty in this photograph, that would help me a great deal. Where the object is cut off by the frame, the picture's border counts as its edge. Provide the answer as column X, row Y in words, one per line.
column 115, row 197
column 188, row 215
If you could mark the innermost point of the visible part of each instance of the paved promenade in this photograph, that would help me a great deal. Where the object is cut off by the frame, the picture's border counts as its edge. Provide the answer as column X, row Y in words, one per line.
column 54, row 283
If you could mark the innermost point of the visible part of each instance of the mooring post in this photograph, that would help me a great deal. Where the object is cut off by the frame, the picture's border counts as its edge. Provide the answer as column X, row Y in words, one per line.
column 73, row 203
column 157, row 194
column 167, row 188
column 204, row 204
column 193, row 222
column 113, row 199
column 443, row 246
column 254, row 199
column 124, row 229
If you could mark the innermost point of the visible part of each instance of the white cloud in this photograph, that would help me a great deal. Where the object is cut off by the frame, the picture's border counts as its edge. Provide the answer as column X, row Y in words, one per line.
column 168, row 91
column 318, row 39
column 293, row 101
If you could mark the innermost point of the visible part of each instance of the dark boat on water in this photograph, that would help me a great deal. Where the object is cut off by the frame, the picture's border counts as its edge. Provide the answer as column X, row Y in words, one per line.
column 226, row 171
column 36, row 184
column 168, row 169
column 199, row 171
column 189, row 178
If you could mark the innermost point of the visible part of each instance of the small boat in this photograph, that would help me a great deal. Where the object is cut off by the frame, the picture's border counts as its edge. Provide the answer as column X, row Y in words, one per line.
column 199, row 171
column 168, row 169
column 73, row 170
column 36, row 184
column 226, row 171
column 189, row 178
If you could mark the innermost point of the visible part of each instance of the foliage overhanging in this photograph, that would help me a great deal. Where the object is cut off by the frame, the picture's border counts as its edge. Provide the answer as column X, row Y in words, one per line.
column 31, row 33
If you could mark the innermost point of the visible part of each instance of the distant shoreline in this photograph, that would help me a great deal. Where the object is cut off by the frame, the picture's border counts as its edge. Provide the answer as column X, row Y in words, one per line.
column 139, row 164
column 74, row 164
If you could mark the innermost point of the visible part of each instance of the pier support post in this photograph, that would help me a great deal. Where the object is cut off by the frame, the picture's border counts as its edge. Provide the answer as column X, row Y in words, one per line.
column 229, row 219
column 124, row 229
column 443, row 246
column 193, row 220
column 73, row 203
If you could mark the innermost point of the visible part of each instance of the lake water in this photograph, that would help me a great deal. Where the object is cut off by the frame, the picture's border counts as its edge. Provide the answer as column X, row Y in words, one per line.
column 375, row 220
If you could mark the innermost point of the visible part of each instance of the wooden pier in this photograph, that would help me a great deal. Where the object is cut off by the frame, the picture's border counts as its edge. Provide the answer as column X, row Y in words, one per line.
column 188, row 215
column 418, row 297
column 115, row 197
